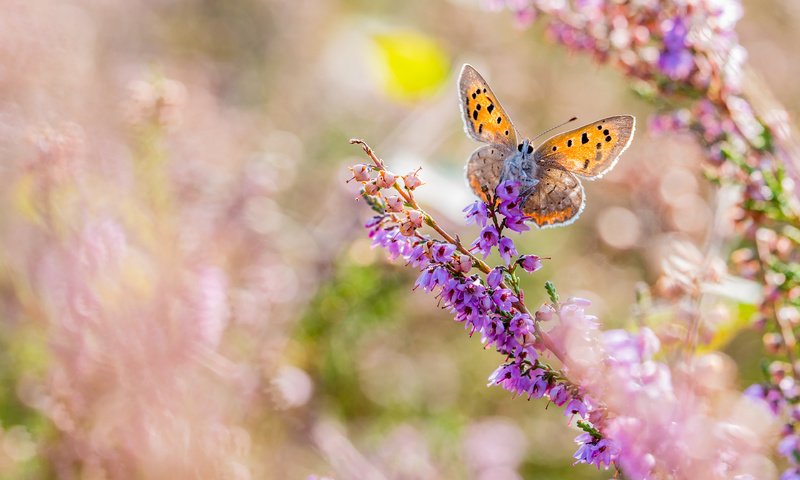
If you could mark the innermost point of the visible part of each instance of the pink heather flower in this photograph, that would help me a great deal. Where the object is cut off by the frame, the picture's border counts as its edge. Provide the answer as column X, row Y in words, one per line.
column 411, row 180
column 385, row 179
column 507, row 249
column 407, row 228
column 463, row 264
column 394, row 203
column 370, row 188
column 530, row 263
column 415, row 217
column 360, row 172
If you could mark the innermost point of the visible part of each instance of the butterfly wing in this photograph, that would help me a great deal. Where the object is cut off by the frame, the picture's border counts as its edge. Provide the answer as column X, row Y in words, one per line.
column 484, row 168
column 589, row 151
column 557, row 199
column 484, row 118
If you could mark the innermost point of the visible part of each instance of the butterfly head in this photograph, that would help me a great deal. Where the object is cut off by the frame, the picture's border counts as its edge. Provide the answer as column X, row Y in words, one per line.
column 525, row 148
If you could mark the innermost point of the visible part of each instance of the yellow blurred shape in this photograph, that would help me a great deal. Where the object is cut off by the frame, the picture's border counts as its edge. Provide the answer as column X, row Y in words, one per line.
column 413, row 66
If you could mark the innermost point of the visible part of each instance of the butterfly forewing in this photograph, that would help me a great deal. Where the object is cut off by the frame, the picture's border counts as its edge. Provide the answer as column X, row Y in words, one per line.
column 589, row 151
column 484, row 168
column 557, row 199
column 484, row 118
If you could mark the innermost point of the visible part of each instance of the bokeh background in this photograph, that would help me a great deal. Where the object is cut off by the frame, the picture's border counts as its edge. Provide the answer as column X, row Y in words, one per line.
column 185, row 286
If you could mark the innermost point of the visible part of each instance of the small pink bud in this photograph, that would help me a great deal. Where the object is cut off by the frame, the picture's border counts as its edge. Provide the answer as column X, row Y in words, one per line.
column 394, row 203
column 385, row 179
column 370, row 188
column 407, row 228
column 463, row 264
column 360, row 172
column 411, row 180
column 415, row 217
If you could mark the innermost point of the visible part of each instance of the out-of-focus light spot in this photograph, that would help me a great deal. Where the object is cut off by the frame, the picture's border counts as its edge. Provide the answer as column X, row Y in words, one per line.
column 618, row 227
column 388, row 378
column 690, row 213
column 18, row 444
column 263, row 215
column 494, row 445
column 677, row 182
column 411, row 66
column 293, row 386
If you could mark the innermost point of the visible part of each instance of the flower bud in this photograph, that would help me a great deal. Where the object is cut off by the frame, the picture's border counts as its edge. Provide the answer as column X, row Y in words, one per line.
column 394, row 204
column 415, row 217
column 385, row 179
column 463, row 264
column 360, row 172
column 411, row 180
column 370, row 188
column 530, row 263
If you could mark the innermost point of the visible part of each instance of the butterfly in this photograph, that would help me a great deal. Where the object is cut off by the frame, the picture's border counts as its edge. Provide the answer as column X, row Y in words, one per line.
column 551, row 194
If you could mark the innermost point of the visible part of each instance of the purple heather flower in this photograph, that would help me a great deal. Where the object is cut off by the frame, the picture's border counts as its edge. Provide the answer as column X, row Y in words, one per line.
column 789, row 446
column 539, row 386
column 595, row 452
column 507, row 249
column 442, row 252
column 575, row 407
column 494, row 277
column 417, row 258
column 488, row 238
column 477, row 213
column 675, row 32
column 521, row 325
column 559, row 395
column 508, row 191
column 791, row 474
column 504, row 299
column 506, row 375
column 530, row 263
column 676, row 64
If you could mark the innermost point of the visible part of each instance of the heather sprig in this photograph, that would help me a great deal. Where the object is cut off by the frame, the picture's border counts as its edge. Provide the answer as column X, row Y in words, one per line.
column 487, row 300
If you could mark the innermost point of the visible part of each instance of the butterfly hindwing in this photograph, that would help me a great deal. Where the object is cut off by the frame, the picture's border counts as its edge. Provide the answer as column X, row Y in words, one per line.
column 589, row 151
column 557, row 199
column 484, row 168
column 484, row 118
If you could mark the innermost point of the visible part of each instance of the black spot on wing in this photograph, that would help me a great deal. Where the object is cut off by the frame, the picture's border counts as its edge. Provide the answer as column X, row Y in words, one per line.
column 478, row 107
column 499, row 119
column 569, row 142
column 608, row 138
column 584, row 138
column 599, row 127
column 490, row 108
column 598, row 145
column 473, row 97
column 474, row 114
column 586, row 164
column 605, row 132
column 480, row 129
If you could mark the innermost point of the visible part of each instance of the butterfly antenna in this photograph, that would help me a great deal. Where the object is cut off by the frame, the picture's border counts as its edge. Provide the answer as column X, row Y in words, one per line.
column 553, row 128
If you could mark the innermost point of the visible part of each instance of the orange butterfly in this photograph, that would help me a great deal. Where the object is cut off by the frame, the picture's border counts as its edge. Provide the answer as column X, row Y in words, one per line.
column 552, row 194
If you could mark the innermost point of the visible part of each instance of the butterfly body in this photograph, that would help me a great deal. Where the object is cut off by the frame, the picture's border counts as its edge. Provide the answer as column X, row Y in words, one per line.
column 550, row 191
